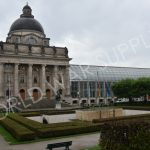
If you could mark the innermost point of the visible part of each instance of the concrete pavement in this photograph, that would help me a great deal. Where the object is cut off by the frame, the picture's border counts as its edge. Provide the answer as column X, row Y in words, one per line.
column 78, row 142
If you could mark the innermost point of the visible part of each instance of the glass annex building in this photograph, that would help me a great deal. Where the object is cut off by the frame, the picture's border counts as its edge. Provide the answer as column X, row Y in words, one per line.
column 92, row 84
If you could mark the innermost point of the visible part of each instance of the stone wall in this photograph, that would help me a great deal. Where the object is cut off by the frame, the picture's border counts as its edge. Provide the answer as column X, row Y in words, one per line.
column 89, row 115
column 22, row 49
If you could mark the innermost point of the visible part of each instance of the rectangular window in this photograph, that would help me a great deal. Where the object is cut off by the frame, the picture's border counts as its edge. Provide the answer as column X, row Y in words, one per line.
column 22, row 79
column 92, row 88
column 74, row 89
column 48, row 78
column 84, row 91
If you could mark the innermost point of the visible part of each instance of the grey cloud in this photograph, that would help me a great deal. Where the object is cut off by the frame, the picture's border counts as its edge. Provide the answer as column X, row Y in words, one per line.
column 91, row 29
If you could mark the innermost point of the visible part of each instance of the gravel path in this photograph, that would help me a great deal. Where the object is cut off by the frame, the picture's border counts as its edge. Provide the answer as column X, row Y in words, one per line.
column 79, row 142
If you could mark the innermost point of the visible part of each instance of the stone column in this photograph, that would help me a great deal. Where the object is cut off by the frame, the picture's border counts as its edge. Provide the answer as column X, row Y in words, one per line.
column 16, row 90
column 43, row 79
column 30, row 76
column 55, row 78
column 1, row 80
column 79, row 96
column 67, row 81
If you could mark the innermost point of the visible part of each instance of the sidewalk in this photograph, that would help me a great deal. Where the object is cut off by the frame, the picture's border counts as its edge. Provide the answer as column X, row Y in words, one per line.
column 78, row 142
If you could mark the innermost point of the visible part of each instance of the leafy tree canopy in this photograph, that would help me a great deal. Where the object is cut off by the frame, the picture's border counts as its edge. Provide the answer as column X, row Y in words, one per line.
column 129, row 88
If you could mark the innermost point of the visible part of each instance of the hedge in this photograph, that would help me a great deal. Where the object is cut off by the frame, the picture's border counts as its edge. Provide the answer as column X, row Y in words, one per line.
column 147, row 108
column 17, row 130
column 46, row 112
column 50, row 130
column 133, row 117
column 34, row 125
column 142, row 103
column 56, row 129
column 126, row 136
column 70, row 130
column 31, row 124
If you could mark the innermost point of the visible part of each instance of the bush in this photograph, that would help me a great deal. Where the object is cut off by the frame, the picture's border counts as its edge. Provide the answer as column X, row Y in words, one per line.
column 20, row 132
column 56, row 129
column 68, row 130
column 142, row 103
column 133, row 117
column 31, row 124
column 46, row 112
column 125, row 136
column 136, row 107
column 34, row 125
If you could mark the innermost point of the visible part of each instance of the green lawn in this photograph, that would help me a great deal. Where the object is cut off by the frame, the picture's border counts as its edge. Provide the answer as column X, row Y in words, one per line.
column 93, row 148
column 7, row 136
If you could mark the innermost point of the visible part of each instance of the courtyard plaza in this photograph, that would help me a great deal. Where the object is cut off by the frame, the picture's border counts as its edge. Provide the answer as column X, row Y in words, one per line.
column 79, row 142
column 69, row 117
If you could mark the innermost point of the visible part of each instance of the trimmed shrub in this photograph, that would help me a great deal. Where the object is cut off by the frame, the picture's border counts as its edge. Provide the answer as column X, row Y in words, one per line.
column 20, row 132
column 136, row 107
column 34, row 125
column 142, row 103
column 133, row 117
column 46, row 112
column 70, row 130
column 56, row 129
column 125, row 136
column 31, row 124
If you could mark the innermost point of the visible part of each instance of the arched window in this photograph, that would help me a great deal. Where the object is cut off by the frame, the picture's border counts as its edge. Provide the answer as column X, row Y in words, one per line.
column 22, row 94
column 60, row 79
column 31, row 40
column 22, row 78
column 17, row 40
column 48, row 78
column 8, row 93
column 35, row 80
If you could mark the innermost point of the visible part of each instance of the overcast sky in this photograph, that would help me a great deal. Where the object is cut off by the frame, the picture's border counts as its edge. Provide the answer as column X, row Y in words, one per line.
column 96, row 32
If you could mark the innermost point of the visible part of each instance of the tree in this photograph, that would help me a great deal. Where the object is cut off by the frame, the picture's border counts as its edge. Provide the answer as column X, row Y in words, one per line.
column 141, row 87
column 130, row 88
column 124, row 88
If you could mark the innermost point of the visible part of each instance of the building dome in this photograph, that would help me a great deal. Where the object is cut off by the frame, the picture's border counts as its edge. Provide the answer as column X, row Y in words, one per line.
column 26, row 22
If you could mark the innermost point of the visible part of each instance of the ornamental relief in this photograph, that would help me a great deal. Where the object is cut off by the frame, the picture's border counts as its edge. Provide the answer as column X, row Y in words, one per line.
column 22, row 74
column 36, row 74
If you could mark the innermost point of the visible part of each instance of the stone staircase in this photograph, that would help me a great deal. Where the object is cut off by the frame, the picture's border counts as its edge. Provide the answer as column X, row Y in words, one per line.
column 44, row 103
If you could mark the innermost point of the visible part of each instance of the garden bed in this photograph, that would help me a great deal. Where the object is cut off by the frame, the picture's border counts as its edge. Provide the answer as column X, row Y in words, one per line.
column 39, row 130
column 20, row 132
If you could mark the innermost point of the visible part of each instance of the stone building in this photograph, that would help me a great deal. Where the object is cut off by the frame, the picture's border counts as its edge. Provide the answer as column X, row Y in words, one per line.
column 29, row 66
column 31, row 69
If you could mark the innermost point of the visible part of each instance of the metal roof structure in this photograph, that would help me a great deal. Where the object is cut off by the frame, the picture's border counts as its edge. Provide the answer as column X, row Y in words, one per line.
column 106, row 73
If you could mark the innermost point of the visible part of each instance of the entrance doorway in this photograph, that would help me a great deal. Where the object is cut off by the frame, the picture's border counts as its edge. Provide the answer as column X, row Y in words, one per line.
column 48, row 94
column 22, row 94
column 36, row 94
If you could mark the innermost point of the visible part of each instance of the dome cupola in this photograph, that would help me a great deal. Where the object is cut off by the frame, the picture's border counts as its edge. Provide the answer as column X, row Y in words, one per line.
column 26, row 22
column 27, row 12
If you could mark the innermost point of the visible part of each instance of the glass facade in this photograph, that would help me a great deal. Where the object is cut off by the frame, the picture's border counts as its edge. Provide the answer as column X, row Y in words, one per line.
column 96, row 81
column 74, row 89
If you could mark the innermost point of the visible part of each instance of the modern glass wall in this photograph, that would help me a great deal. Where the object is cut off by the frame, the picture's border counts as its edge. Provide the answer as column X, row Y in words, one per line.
column 96, row 81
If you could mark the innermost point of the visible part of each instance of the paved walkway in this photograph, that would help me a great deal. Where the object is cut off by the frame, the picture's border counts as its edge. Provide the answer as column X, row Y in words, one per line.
column 79, row 142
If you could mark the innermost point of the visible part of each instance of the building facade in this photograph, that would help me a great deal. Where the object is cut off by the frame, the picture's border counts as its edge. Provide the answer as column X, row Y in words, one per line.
column 28, row 64
column 92, row 84
column 31, row 68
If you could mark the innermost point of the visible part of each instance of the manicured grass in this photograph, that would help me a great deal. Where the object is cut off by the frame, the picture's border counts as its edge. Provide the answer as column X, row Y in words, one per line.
column 7, row 136
column 12, row 141
column 26, row 130
column 93, row 148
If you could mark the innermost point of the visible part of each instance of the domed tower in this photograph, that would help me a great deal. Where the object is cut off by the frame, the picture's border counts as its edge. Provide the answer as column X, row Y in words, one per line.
column 27, row 30
column 27, row 61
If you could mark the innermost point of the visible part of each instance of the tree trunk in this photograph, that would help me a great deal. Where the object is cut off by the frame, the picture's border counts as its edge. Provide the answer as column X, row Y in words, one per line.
column 130, row 99
column 145, row 98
